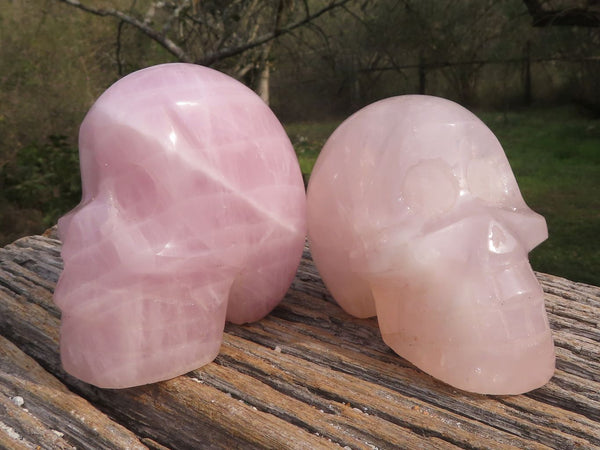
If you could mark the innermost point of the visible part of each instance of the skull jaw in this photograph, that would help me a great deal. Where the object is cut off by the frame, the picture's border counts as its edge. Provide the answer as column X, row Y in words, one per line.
column 120, row 370
column 133, row 317
column 509, row 369
column 501, row 348
column 140, row 338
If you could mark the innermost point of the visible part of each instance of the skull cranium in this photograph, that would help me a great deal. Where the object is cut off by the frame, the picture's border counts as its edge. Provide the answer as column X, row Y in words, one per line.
column 193, row 212
column 415, row 216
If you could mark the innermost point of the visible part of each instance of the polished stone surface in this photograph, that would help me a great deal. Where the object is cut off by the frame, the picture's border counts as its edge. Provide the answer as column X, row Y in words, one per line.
column 414, row 215
column 193, row 212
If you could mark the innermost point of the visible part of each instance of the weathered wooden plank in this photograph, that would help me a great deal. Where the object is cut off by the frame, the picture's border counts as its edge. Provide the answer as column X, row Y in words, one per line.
column 38, row 411
column 489, row 417
column 386, row 416
column 310, row 376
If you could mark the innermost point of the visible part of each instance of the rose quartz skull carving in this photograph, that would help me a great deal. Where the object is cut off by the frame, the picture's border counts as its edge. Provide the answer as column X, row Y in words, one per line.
column 193, row 211
column 415, row 216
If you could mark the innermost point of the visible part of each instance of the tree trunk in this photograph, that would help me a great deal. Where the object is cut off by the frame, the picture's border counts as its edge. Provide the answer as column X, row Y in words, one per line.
column 355, row 96
column 527, row 97
column 262, row 82
column 422, row 77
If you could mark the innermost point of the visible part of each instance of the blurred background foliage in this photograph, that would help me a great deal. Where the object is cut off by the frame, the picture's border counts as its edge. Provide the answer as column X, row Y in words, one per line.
column 529, row 68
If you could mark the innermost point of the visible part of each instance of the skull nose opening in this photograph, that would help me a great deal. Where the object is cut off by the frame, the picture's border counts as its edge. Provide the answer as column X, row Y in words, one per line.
column 64, row 222
column 82, row 227
column 500, row 240
column 63, row 225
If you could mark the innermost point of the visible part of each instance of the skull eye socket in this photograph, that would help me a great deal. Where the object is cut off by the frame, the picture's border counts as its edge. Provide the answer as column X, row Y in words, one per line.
column 490, row 179
column 135, row 193
column 430, row 187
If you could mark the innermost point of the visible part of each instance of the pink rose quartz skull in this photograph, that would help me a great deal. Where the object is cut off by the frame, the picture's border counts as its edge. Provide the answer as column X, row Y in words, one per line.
column 415, row 216
column 193, row 212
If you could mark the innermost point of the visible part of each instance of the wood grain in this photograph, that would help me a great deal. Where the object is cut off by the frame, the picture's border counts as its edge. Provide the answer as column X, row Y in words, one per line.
column 36, row 409
column 307, row 376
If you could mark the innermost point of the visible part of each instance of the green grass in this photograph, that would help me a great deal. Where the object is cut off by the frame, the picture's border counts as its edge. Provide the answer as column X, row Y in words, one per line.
column 555, row 155
column 308, row 139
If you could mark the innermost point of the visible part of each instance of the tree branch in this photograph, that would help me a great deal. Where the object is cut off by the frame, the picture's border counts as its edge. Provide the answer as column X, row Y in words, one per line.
column 211, row 58
column 582, row 17
column 476, row 62
column 145, row 28
column 118, row 49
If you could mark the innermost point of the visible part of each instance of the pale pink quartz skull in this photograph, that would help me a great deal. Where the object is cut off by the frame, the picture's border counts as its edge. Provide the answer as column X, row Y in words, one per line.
column 415, row 216
column 193, row 212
